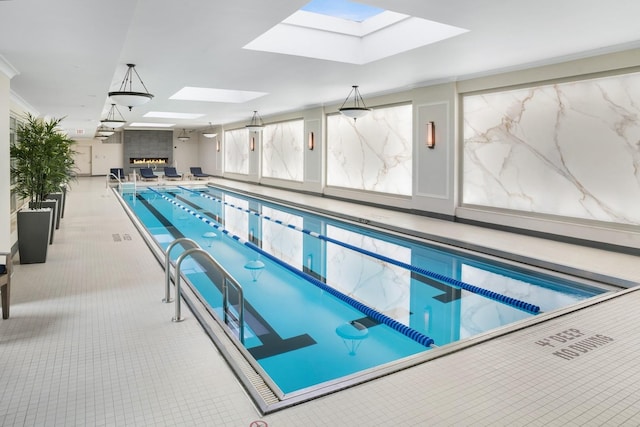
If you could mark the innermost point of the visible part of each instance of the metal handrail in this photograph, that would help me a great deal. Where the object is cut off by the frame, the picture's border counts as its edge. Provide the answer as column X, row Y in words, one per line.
column 225, row 303
column 226, row 279
column 167, row 265
column 106, row 184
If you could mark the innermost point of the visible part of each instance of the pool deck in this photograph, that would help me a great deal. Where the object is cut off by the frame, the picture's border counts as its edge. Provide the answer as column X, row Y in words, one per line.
column 89, row 343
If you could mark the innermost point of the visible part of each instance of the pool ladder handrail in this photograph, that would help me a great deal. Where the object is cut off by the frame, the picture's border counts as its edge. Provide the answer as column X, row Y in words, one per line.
column 108, row 179
column 111, row 174
column 167, row 264
column 226, row 279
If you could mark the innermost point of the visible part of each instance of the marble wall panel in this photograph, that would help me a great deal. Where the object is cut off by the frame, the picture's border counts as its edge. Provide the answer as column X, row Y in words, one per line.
column 570, row 149
column 373, row 153
column 283, row 150
column 236, row 151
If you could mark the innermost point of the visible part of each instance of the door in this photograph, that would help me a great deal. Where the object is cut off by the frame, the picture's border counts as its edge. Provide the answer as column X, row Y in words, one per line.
column 83, row 160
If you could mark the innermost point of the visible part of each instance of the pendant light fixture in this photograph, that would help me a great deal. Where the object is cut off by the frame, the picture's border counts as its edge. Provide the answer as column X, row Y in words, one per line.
column 359, row 109
column 112, row 121
column 209, row 132
column 256, row 124
column 126, row 96
column 183, row 136
column 104, row 131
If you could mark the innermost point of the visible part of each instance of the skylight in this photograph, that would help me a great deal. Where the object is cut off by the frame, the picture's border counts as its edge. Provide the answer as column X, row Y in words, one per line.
column 326, row 29
column 170, row 115
column 342, row 9
column 188, row 93
column 151, row 125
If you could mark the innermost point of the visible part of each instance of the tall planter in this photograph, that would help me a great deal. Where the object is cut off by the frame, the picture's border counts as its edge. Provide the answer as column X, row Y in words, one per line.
column 34, row 229
column 43, row 162
column 59, row 197
column 55, row 208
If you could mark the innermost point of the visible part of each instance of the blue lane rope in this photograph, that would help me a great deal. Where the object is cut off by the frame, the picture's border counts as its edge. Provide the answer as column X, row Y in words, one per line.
column 513, row 302
column 416, row 336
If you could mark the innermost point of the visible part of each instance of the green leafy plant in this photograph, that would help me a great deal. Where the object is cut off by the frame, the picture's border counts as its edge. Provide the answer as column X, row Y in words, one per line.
column 43, row 159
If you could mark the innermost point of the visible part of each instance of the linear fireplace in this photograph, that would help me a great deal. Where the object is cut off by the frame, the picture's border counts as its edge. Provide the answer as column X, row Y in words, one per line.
column 144, row 162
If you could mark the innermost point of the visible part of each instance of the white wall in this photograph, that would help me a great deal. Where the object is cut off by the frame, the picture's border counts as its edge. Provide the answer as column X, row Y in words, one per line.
column 185, row 153
column 104, row 156
column 5, row 189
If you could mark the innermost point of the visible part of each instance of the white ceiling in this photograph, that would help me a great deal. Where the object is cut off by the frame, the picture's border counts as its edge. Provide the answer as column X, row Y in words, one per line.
column 70, row 53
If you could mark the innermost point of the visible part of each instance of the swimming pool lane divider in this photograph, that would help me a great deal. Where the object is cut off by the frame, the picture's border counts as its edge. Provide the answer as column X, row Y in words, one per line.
column 513, row 302
column 411, row 333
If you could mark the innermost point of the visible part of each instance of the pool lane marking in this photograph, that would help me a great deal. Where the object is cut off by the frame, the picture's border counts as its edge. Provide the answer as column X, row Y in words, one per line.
column 411, row 333
column 504, row 299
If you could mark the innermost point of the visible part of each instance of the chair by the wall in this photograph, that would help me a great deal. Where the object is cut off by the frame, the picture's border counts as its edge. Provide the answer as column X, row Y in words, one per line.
column 197, row 173
column 147, row 174
column 5, row 284
column 117, row 172
column 171, row 173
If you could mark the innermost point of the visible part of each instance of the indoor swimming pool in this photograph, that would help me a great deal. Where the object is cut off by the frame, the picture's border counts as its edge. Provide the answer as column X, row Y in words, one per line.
column 325, row 299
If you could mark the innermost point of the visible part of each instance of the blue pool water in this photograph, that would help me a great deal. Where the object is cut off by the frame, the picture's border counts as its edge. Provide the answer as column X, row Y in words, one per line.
column 334, row 299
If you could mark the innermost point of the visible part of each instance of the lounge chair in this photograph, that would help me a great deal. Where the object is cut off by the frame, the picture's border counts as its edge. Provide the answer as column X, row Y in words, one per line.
column 117, row 172
column 5, row 284
column 170, row 173
column 147, row 174
column 197, row 173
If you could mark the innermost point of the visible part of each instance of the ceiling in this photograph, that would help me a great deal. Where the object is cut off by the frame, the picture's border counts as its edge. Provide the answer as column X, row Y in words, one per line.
column 70, row 53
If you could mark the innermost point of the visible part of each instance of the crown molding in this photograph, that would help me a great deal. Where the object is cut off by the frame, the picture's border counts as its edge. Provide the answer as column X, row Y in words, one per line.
column 24, row 105
column 7, row 69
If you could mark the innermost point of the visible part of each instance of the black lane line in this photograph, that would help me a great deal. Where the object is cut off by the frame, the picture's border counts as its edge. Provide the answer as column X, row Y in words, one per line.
column 272, row 343
column 449, row 294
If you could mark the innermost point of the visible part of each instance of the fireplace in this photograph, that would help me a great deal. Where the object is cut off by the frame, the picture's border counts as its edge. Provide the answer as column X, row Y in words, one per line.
column 147, row 148
column 145, row 162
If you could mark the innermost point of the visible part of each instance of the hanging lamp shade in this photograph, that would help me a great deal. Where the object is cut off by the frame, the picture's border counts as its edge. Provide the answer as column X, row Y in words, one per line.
column 256, row 124
column 126, row 95
column 183, row 136
column 112, row 121
column 104, row 131
column 359, row 109
column 209, row 133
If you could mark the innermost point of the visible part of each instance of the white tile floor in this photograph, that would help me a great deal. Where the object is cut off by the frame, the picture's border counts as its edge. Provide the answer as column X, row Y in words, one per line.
column 90, row 344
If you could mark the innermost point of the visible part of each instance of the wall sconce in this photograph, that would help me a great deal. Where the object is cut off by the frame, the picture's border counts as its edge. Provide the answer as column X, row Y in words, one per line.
column 431, row 135
column 252, row 144
column 218, row 146
column 312, row 141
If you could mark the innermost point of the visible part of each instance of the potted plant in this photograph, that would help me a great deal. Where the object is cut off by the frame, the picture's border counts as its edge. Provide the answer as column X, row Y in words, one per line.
column 42, row 162
column 62, row 168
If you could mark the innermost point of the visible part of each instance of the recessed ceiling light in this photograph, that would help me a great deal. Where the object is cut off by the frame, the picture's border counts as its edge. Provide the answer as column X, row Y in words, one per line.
column 169, row 115
column 216, row 95
column 151, row 125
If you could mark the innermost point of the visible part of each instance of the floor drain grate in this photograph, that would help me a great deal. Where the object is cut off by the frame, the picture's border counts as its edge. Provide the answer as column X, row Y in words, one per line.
column 118, row 238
